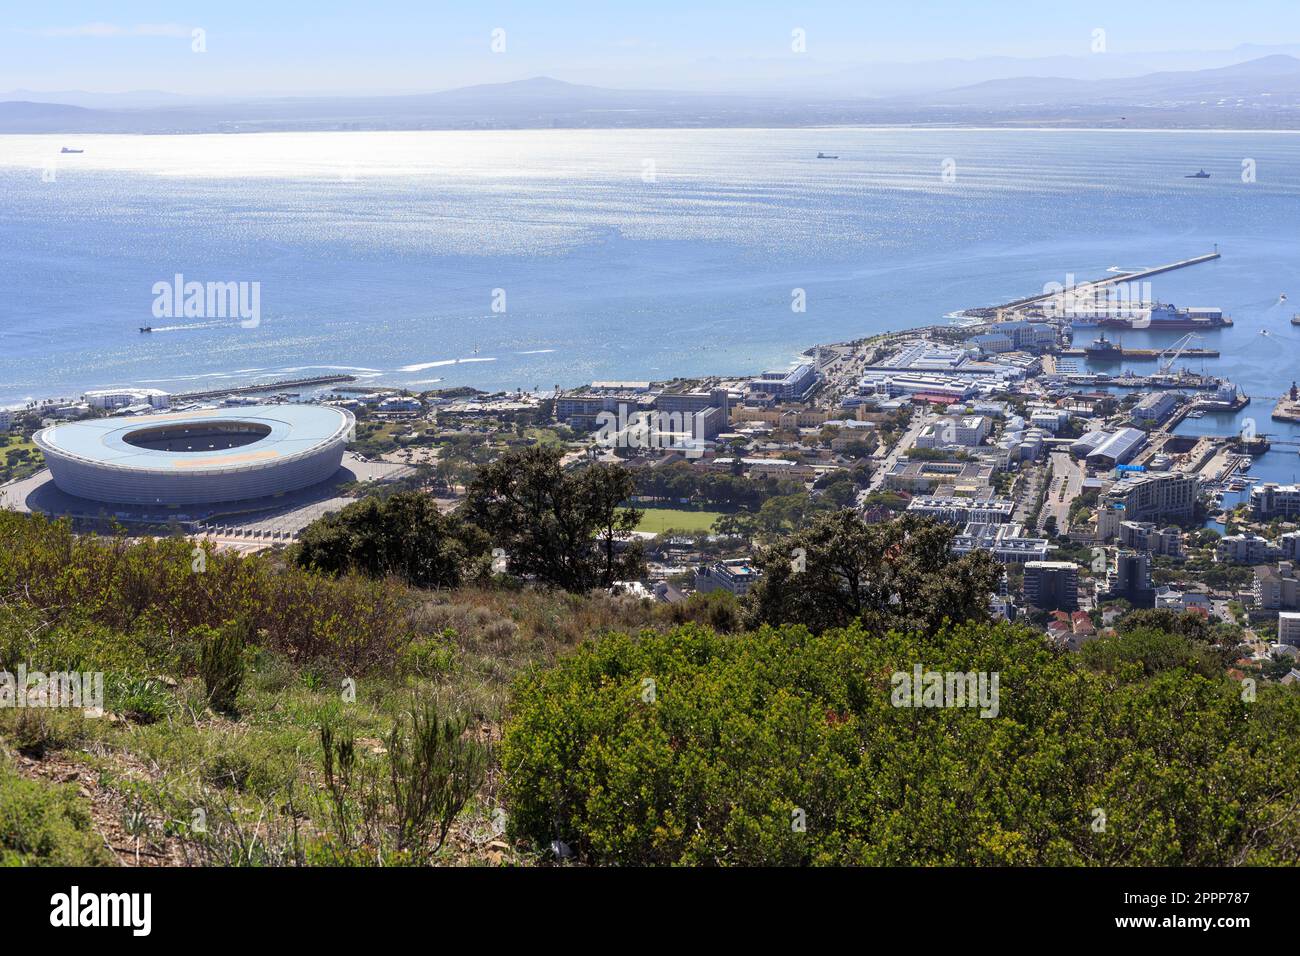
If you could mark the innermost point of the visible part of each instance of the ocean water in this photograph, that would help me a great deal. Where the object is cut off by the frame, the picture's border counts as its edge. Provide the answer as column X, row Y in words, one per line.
column 621, row 254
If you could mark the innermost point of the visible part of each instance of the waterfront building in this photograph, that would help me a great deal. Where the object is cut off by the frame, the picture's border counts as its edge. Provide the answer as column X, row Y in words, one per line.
column 1155, row 407
column 109, row 398
column 1117, row 448
column 1145, row 496
column 1271, row 500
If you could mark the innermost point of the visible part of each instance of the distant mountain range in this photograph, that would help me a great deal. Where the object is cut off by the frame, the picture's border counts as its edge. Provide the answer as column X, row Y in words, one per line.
column 1258, row 93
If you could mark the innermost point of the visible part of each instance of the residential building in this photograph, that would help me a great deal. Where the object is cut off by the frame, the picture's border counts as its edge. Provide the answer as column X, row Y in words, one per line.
column 1052, row 585
column 1276, row 586
column 1271, row 500
column 1130, row 578
column 736, row 576
column 122, row 397
column 1288, row 628
column 1146, row 536
column 1289, row 545
column 1248, row 548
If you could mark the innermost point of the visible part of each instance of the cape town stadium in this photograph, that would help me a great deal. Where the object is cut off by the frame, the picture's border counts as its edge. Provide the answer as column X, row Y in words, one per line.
column 207, row 456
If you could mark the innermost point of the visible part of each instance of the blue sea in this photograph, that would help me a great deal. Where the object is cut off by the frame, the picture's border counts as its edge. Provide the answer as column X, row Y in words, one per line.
column 616, row 254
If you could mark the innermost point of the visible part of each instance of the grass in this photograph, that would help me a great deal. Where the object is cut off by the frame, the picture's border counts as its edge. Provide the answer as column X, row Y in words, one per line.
column 659, row 520
column 11, row 468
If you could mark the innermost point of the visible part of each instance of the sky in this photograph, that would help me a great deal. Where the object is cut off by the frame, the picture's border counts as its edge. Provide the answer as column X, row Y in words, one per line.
column 327, row 46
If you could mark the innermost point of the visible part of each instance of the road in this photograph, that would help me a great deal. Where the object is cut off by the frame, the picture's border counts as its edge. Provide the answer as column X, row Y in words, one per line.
column 920, row 418
column 1067, row 484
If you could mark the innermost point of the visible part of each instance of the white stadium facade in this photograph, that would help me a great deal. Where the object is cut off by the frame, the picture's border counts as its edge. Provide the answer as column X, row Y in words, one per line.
column 208, row 456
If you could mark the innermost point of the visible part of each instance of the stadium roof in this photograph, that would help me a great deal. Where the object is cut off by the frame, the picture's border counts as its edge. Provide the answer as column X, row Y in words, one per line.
column 292, row 430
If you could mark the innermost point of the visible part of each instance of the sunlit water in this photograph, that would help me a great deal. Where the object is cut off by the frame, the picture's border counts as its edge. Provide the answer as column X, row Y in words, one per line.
column 622, row 254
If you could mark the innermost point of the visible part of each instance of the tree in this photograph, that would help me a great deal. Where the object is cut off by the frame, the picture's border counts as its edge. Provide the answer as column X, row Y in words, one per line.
column 900, row 573
column 404, row 535
column 565, row 528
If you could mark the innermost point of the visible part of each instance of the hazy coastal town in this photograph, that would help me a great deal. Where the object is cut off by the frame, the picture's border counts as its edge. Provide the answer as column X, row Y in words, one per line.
column 997, row 423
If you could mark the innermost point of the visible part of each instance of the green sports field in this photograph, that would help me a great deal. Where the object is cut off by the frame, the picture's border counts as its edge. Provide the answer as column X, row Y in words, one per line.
column 658, row 520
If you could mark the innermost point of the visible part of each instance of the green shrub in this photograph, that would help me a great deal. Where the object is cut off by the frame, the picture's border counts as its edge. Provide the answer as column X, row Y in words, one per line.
column 781, row 747
column 221, row 664
column 44, row 824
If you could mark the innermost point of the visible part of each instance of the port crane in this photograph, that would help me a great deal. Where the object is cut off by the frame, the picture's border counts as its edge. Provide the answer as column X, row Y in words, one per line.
column 1177, row 349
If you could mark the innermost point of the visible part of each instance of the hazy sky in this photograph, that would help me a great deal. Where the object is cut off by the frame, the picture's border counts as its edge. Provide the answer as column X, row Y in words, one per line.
column 394, row 45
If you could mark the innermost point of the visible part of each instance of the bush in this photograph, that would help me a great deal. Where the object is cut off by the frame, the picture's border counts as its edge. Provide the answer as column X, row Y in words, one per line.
column 45, row 825
column 781, row 747
column 221, row 664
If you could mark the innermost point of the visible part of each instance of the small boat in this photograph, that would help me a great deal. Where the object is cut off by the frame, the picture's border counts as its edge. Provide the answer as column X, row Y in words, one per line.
column 1201, row 174
column 146, row 328
column 1295, row 319
column 65, row 149
column 1282, row 297
column 826, row 156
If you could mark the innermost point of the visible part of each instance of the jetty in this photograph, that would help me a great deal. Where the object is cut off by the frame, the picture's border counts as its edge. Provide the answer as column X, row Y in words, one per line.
column 277, row 386
column 1083, row 287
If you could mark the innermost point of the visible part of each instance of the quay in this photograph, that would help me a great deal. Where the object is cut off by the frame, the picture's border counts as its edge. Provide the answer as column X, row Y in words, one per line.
column 1286, row 410
column 1142, row 353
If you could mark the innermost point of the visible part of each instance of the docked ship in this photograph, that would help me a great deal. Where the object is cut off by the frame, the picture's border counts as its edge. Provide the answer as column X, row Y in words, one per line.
column 1103, row 349
column 1161, row 317
column 1170, row 317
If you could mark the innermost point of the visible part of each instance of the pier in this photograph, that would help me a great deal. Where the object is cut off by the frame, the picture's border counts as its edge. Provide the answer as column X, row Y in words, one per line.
column 1118, row 277
column 267, row 387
